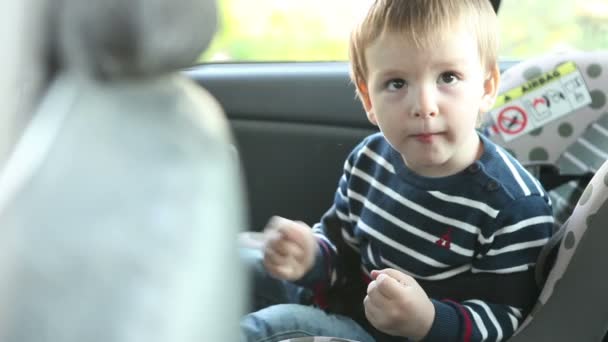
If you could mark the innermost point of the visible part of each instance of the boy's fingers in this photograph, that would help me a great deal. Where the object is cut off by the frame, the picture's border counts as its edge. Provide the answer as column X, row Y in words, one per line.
column 397, row 275
column 296, row 232
column 288, row 229
column 371, row 307
column 275, row 244
column 287, row 248
column 375, row 295
column 389, row 287
column 272, row 257
column 275, row 223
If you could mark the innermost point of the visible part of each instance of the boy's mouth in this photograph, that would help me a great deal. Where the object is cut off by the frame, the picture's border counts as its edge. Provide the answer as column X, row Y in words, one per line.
column 426, row 137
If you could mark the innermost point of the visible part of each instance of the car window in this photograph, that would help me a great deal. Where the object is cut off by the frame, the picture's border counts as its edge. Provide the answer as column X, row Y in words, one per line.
column 317, row 30
column 284, row 30
column 530, row 28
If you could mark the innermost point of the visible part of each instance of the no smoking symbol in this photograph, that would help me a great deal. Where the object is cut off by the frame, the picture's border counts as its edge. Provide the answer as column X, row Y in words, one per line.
column 512, row 120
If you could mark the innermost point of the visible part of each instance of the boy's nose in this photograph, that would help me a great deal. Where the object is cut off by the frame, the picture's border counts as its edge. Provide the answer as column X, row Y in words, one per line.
column 425, row 104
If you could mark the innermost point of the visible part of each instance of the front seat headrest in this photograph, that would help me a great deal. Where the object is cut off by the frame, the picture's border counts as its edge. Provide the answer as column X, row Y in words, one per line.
column 134, row 38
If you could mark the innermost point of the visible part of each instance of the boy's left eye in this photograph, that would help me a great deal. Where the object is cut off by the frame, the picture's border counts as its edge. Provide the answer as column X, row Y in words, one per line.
column 448, row 78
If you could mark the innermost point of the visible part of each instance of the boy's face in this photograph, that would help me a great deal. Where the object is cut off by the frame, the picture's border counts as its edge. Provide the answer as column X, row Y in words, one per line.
column 427, row 101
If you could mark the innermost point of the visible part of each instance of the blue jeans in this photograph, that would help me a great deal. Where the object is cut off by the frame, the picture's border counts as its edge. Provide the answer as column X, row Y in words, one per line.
column 283, row 321
column 266, row 290
column 281, row 311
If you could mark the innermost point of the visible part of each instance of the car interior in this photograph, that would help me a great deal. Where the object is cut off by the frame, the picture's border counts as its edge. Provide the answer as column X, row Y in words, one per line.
column 294, row 124
column 140, row 144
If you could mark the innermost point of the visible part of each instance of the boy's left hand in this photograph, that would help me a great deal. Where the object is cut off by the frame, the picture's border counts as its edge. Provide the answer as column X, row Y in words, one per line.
column 396, row 305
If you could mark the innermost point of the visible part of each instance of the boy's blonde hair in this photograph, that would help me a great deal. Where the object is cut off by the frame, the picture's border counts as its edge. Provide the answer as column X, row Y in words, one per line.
column 422, row 22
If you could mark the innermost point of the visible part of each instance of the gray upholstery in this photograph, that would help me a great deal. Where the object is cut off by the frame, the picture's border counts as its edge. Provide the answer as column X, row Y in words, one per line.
column 122, row 200
column 23, row 70
column 573, row 305
column 128, row 38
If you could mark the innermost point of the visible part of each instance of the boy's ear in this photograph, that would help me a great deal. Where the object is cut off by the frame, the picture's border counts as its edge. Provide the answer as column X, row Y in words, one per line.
column 490, row 87
column 367, row 102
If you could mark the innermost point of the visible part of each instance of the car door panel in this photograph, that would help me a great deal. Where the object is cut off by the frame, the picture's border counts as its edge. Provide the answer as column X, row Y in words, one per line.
column 294, row 124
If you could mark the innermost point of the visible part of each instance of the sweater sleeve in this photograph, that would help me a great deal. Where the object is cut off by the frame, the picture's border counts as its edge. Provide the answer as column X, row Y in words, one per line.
column 337, row 254
column 504, row 262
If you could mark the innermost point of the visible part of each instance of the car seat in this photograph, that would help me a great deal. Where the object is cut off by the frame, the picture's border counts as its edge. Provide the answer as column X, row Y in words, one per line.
column 121, row 201
column 569, row 155
column 565, row 144
column 569, row 152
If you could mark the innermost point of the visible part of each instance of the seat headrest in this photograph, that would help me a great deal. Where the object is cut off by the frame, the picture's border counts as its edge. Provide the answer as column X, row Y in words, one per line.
column 133, row 38
column 552, row 110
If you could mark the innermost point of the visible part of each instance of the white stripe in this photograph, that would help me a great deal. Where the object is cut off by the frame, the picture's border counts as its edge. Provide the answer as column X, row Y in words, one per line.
column 514, row 321
column 478, row 323
column 415, row 206
column 593, row 148
column 517, row 312
column 582, row 166
column 379, row 160
column 370, row 255
column 599, row 128
column 466, row 202
column 387, row 241
column 491, row 316
column 410, row 229
column 348, row 238
column 342, row 216
column 517, row 226
column 516, row 174
column 524, row 223
column 508, row 270
column 534, row 181
column 342, row 195
column 518, row 246
column 347, row 167
column 438, row 276
column 539, row 188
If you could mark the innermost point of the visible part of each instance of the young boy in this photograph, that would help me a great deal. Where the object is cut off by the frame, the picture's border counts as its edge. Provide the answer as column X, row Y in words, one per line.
column 437, row 226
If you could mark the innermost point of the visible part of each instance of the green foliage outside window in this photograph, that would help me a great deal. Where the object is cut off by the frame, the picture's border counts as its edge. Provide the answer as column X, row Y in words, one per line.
column 317, row 30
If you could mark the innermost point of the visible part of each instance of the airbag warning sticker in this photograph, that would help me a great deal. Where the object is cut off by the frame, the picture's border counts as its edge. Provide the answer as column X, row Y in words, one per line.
column 543, row 99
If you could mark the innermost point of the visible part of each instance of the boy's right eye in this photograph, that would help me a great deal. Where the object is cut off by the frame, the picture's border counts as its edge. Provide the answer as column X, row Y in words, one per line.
column 395, row 84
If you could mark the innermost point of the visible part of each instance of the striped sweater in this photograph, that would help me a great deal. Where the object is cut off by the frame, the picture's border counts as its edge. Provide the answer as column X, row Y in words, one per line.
column 470, row 239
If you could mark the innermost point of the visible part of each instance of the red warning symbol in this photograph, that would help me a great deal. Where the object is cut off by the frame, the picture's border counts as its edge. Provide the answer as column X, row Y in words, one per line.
column 512, row 120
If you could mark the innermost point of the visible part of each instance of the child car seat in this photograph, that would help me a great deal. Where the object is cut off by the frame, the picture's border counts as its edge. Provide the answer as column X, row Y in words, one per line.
column 552, row 115
column 568, row 143
column 573, row 304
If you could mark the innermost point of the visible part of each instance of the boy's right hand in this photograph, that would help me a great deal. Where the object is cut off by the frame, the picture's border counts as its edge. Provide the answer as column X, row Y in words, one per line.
column 290, row 248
